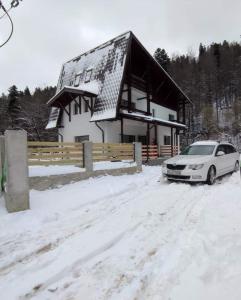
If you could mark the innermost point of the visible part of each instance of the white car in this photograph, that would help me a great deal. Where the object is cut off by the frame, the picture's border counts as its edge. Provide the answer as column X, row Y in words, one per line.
column 202, row 161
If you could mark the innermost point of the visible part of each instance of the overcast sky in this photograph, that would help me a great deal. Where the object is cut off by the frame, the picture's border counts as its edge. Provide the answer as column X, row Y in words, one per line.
column 47, row 33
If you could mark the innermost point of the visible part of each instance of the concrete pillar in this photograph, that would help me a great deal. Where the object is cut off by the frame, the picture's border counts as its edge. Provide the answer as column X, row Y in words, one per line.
column 2, row 150
column 138, row 155
column 17, row 186
column 88, row 159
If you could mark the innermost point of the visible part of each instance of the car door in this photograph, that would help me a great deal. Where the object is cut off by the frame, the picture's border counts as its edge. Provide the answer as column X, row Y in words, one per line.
column 231, row 157
column 221, row 164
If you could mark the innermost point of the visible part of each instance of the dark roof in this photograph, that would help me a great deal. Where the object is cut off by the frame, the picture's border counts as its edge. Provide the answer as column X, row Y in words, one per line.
column 105, row 67
column 67, row 94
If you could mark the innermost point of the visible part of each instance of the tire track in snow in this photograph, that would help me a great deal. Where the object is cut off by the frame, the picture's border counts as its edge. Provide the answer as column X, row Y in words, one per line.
column 70, row 269
column 181, row 235
column 148, row 262
column 108, row 207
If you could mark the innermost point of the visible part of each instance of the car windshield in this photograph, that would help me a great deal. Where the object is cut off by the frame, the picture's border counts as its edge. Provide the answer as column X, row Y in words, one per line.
column 198, row 150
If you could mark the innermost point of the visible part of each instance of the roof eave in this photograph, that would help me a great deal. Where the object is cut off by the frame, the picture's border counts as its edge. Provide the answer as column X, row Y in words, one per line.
column 70, row 90
column 164, row 71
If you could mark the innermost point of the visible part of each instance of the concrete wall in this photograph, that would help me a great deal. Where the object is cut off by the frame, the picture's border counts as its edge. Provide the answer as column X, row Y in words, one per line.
column 54, row 181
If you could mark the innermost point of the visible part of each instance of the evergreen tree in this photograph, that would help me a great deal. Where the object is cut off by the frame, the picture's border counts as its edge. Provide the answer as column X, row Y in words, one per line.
column 202, row 50
column 27, row 92
column 14, row 108
column 162, row 58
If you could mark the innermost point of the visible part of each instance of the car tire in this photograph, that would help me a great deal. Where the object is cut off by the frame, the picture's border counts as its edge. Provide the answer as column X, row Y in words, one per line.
column 236, row 167
column 211, row 176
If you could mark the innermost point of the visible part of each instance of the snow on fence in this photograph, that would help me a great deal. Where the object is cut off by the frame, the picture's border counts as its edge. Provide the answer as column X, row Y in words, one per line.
column 112, row 152
column 149, row 152
column 168, row 150
column 55, row 153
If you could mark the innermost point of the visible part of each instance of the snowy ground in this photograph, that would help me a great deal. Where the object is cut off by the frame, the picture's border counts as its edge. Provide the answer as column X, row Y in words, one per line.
column 67, row 169
column 127, row 237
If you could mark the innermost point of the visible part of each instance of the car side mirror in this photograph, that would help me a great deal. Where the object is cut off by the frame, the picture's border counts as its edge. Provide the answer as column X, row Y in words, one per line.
column 220, row 153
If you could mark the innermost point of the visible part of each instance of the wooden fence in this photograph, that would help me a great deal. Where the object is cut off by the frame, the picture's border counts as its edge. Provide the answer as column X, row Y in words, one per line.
column 54, row 153
column 167, row 150
column 149, row 152
column 112, row 152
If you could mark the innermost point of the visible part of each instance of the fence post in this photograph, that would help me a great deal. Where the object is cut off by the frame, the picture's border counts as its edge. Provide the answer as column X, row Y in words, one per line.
column 138, row 155
column 17, row 187
column 88, row 159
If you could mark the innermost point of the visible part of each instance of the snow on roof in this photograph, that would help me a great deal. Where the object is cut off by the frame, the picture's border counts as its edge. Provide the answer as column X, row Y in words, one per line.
column 211, row 143
column 101, row 71
column 91, row 87
column 53, row 118
column 150, row 118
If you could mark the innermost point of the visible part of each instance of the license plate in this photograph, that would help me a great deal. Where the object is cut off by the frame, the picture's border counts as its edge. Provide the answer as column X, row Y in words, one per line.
column 173, row 172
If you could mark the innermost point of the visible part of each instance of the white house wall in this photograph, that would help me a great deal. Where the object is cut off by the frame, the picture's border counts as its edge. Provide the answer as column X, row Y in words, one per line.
column 80, row 125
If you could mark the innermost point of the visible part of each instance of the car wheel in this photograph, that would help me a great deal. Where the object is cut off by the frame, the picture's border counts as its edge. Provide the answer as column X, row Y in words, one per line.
column 236, row 167
column 211, row 177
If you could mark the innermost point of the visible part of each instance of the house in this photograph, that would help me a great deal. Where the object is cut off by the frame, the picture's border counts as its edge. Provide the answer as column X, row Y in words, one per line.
column 118, row 93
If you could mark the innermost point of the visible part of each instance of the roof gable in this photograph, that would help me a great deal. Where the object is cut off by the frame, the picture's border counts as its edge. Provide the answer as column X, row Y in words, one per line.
column 104, row 66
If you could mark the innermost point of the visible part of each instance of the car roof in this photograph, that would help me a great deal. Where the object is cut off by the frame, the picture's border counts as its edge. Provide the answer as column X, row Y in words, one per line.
column 211, row 143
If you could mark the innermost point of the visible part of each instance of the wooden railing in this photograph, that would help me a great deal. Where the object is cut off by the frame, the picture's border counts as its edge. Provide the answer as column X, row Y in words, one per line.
column 149, row 152
column 112, row 152
column 167, row 150
column 54, row 153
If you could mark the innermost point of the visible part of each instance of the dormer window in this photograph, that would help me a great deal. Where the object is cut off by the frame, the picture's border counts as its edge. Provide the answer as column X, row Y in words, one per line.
column 88, row 75
column 77, row 80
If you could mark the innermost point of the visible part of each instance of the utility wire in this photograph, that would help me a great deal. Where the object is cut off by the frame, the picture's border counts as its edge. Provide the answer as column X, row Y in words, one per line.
column 2, row 16
column 11, row 33
column 14, row 4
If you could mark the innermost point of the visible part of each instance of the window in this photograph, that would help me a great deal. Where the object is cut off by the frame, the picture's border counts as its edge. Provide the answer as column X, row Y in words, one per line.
column 124, row 103
column 221, row 148
column 77, row 80
column 167, row 140
column 153, row 112
column 81, row 138
column 88, row 75
column 76, row 108
column 129, row 138
column 86, row 105
column 229, row 149
column 142, row 139
column 171, row 117
column 80, row 110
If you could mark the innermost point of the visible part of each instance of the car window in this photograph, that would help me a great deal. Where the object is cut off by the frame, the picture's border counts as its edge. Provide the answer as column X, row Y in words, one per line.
column 221, row 148
column 232, row 149
column 198, row 150
column 229, row 149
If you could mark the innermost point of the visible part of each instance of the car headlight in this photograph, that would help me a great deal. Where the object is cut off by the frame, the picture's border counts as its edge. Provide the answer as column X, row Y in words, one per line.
column 196, row 167
column 164, row 165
